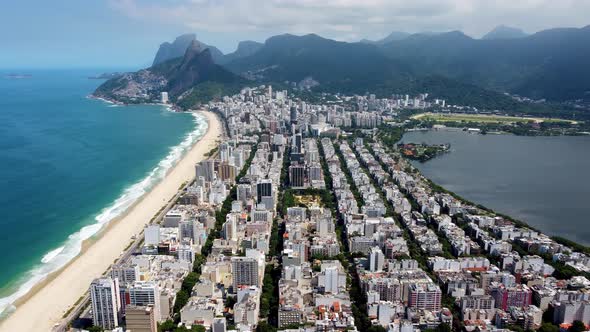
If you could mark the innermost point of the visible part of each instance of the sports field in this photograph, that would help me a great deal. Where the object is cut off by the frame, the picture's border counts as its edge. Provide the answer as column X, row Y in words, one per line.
column 481, row 118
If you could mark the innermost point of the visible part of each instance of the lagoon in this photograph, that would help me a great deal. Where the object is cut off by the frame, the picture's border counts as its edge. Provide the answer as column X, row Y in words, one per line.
column 543, row 181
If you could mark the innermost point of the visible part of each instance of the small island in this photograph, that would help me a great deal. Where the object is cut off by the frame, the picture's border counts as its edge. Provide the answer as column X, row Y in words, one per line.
column 18, row 76
column 422, row 152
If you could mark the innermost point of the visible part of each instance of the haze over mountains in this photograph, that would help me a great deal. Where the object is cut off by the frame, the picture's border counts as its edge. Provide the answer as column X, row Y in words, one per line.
column 551, row 64
column 504, row 32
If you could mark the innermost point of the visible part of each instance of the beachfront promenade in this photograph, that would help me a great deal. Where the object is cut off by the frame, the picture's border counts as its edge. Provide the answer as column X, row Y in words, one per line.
column 47, row 303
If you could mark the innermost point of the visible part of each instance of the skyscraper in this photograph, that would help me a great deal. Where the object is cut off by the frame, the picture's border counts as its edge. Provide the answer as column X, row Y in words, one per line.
column 332, row 279
column 297, row 142
column 219, row 325
column 263, row 189
column 225, row 151
column 293, row 115
column 226, row 172
column 140, row 319
column 125, row 273
column 144, row 293
column 244, row 272
column 206, row 169
column 244, row 191
column 425, row 296
column 297, row 175
column 164, row 97
column 104, row 296
column 151, row 235
column 230, row 229
column 376, row 260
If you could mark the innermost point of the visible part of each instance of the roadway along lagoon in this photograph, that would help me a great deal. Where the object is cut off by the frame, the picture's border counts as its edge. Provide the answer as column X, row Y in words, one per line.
column 543, row 181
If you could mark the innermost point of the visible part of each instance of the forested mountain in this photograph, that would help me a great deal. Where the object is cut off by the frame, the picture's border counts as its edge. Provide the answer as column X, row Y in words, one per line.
column 189, row 79
column 552, row 64
column 245, row 48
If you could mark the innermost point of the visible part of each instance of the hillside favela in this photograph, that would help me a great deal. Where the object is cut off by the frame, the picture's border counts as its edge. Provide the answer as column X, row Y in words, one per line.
column 297, row 166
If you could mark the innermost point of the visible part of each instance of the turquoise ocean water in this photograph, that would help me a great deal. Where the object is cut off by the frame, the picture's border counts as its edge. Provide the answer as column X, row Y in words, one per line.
column 69, row 164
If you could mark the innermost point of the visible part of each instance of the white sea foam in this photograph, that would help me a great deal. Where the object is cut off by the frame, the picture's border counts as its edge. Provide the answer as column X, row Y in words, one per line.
column 51, row 255
column 59, row 257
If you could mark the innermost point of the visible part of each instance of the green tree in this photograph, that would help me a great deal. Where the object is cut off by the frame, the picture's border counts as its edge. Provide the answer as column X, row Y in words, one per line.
column 264, row 326
column 167, row 325
column 443, row 328
column 95, row 329
column 377, row 328
column 548, row 327
column 577, row 326
column 198, row 328
column 182, row 298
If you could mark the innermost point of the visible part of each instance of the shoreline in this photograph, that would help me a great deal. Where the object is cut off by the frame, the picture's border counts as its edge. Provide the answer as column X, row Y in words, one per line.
column 46, row 302
column 171, row 107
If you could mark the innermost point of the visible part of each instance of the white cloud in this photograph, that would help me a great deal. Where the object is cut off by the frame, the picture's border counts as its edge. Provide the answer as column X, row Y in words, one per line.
column 350, row 19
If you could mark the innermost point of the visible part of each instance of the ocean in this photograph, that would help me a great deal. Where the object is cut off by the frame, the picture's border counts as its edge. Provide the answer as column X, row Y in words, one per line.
column 543, row 181
column 70, row 164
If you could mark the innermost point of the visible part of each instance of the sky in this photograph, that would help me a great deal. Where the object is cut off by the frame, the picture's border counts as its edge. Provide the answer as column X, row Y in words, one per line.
column 127, row 33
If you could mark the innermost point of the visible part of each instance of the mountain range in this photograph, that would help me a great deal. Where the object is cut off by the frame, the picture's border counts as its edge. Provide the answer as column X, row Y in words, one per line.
column 552, row 64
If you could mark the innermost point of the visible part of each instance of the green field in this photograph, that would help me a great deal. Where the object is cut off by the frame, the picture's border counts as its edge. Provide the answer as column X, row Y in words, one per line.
column 481, row 118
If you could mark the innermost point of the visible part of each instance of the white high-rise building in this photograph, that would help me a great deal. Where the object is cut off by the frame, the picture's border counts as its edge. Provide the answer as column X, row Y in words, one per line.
column 230, row 229
column 376, row 260
column 125, row 273
column 225, row 151
column 164, row 97
column 145, row 293
column 151, row 235
column 331, row 280
column 104, row 296
column 186, row 253
column 324, row 227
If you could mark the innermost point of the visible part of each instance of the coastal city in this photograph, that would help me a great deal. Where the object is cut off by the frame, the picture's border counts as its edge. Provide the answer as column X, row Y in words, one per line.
column 309, row 217
column 295, row 166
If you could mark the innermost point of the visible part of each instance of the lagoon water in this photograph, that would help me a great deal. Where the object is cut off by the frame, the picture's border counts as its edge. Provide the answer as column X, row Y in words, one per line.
column 69, row 165
column 543, row 181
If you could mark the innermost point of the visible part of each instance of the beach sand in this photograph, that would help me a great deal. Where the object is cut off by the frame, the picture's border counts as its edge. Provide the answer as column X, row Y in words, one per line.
column 45, row 305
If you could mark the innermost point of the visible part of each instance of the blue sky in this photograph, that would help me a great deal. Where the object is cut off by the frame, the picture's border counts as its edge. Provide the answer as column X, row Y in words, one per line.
column 75, row 33
column 127, row 33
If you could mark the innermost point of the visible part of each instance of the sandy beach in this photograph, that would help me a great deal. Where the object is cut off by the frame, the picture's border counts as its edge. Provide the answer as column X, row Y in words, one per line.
column 45, row 305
